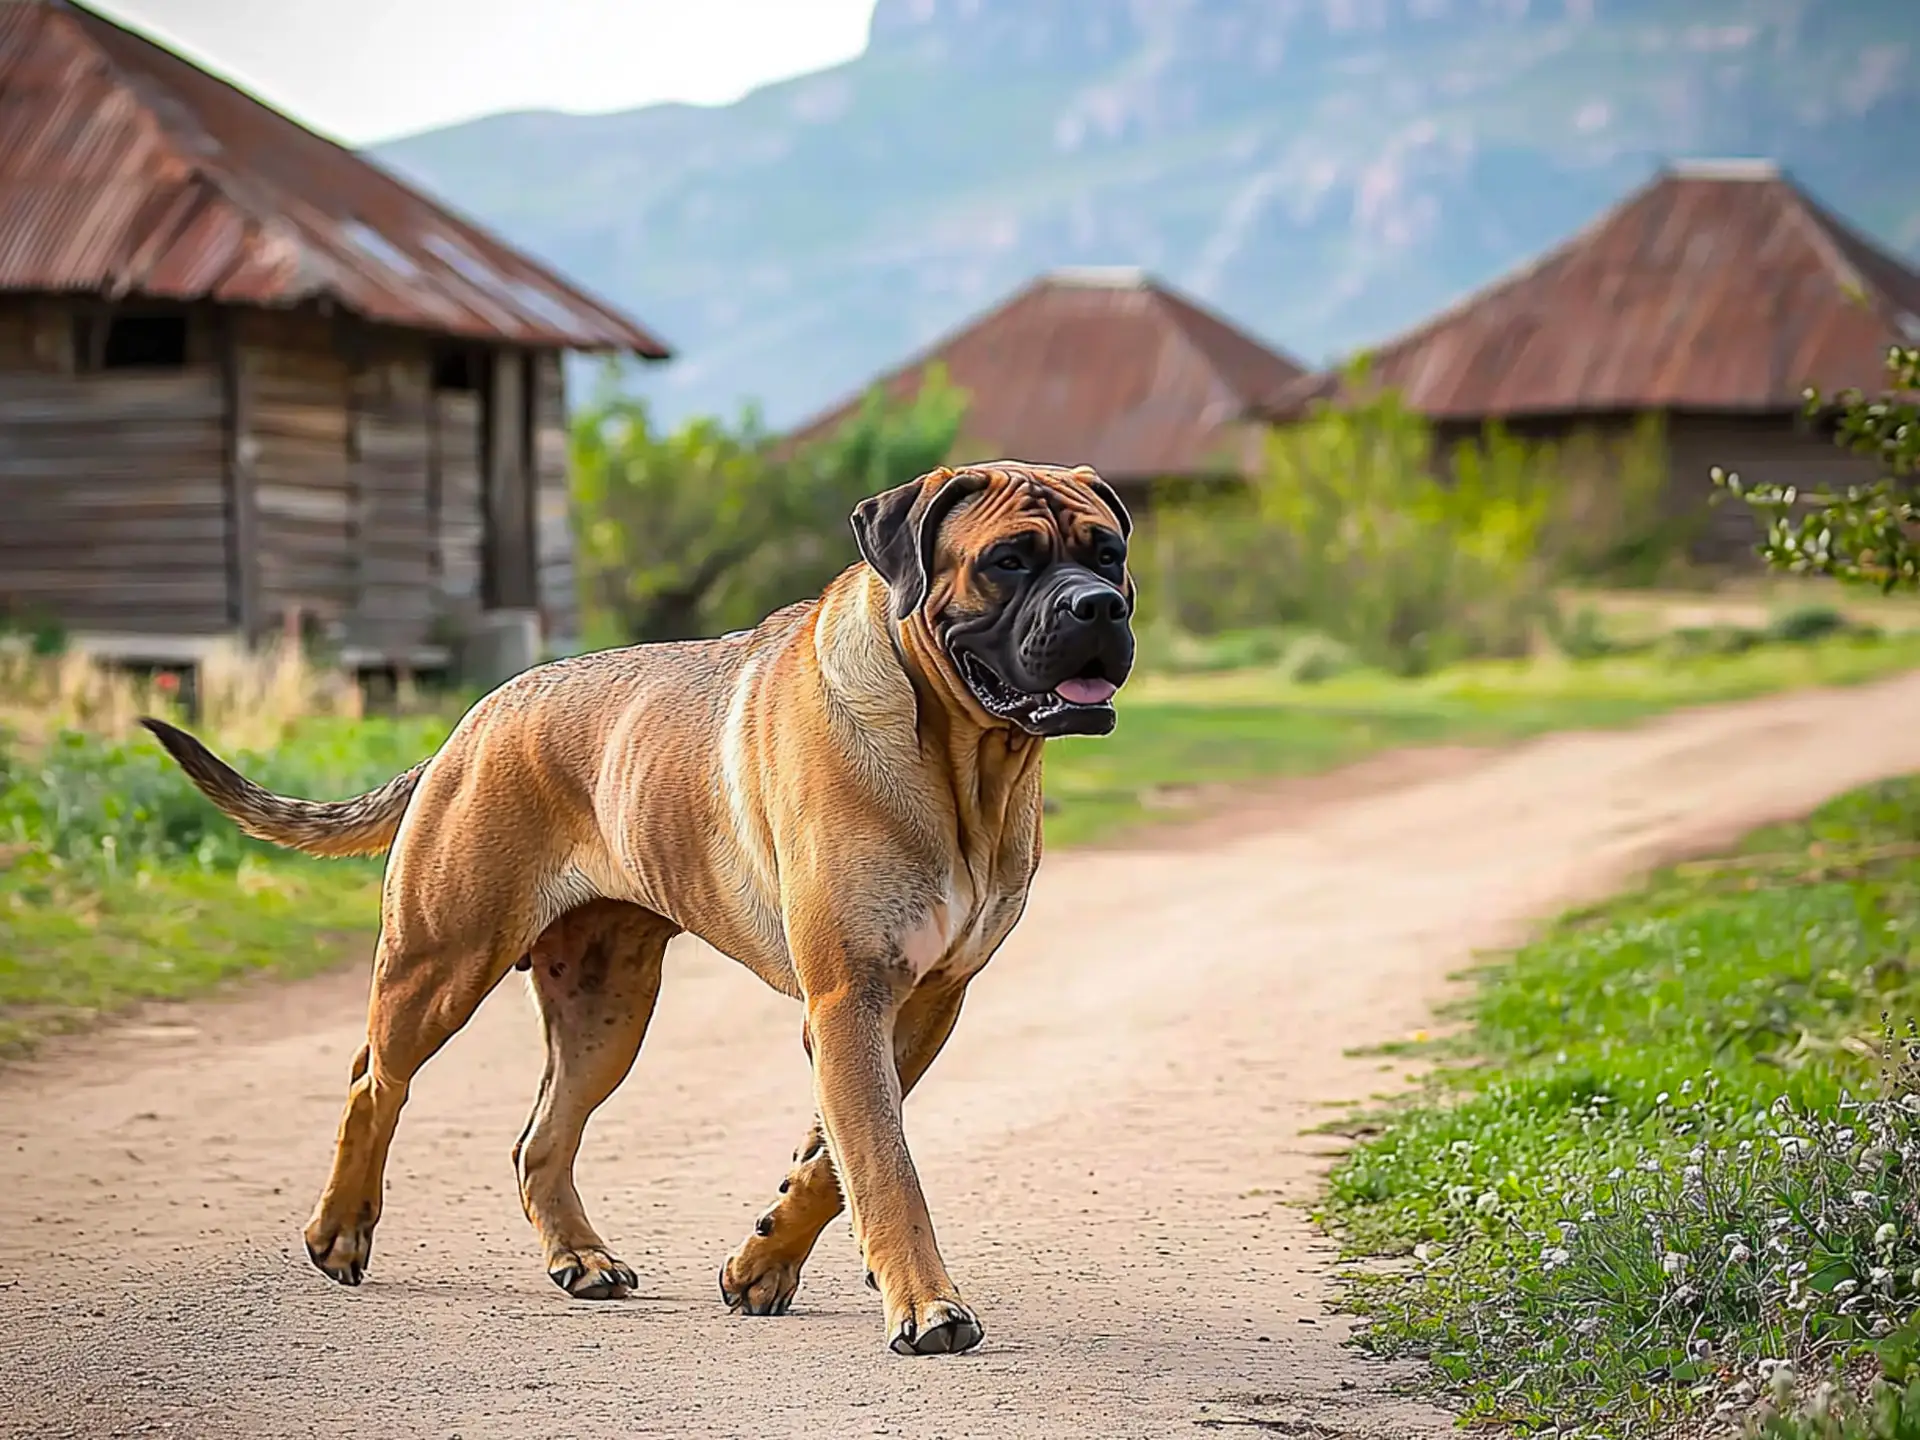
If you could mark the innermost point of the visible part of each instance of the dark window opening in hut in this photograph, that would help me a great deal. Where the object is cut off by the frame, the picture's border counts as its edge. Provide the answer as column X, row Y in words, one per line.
column 145, row 342
column 456, row 368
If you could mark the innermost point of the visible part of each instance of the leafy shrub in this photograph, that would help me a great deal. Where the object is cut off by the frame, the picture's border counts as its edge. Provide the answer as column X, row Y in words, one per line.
column 712, row 527
column 93, row 802
column 1862, row 533
column 1360, row 526
column 1806, row 623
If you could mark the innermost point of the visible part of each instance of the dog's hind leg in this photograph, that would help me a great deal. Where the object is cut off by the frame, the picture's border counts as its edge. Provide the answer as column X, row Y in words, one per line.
column 596, row 975
column 420, row 998
column 760, row 1278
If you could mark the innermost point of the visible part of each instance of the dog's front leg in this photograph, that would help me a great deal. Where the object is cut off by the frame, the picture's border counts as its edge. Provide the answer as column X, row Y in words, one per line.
column 851, row 1018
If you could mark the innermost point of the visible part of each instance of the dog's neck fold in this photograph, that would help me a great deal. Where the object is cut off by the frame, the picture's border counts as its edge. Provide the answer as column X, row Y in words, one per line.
column 987, row 762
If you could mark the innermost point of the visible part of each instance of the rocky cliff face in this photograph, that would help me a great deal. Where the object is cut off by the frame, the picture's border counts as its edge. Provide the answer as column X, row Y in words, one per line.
column 1325, row 171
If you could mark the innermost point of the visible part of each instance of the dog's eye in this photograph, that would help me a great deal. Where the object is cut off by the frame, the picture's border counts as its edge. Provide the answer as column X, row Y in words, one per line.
column 1010, row 563
column 1108, row 557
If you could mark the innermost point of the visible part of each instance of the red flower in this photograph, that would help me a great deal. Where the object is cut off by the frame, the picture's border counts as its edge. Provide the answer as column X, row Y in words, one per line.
column 166, row 681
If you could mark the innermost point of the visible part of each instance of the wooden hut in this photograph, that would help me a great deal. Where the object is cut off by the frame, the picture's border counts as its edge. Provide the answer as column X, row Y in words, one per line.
column 1104, row 367
column 1712, row 297
column 249, row 380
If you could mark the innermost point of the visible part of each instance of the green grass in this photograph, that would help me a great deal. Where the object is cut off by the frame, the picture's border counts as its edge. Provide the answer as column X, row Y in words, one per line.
column 119, row 883
column 76, row 946
column 1667, row 1148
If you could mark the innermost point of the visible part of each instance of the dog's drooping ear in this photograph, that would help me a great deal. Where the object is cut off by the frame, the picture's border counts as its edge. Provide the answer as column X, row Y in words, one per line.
column 1109, row 495
column 897, row 529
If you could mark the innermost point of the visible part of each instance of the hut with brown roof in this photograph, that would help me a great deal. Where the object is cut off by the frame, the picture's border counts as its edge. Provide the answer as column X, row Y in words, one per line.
column 1103, row 367
column 248, row 379
column 1712, row 296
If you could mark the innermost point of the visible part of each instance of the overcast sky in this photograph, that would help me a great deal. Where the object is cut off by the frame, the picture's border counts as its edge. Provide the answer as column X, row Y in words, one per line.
column 366, row 70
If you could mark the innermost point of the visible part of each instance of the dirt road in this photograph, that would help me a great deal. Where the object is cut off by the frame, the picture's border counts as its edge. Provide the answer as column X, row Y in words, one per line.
column 1109, row 1143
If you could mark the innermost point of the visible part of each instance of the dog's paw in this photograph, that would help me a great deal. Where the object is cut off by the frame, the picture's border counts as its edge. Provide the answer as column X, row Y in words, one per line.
column 340, row 1252
column 591, row 1275
column 937, row 1327
column 758, row 1285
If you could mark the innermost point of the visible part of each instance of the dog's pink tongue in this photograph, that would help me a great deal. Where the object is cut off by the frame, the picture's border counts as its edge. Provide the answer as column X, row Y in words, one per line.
column 1085, row 692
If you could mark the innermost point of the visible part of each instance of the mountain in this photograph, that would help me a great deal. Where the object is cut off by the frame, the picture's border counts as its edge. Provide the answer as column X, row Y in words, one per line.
column 1325, row 172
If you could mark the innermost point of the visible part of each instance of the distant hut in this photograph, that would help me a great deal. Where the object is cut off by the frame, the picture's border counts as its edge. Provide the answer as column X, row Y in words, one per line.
column 1711, row 296
column 1103, row 367
column 249, row 379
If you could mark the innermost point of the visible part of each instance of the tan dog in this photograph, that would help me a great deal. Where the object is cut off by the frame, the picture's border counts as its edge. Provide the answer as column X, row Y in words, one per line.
column 845, row 799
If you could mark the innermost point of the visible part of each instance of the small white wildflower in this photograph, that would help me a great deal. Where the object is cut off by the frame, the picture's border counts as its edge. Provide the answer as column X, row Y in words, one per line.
column 1822, row 1401
column 1884, row 1237
column 1862, row 1199
column 1700, row 1349
column 1881, row 1278
column 1652, row 1167
column 1739, row 1255
column 1674, row 1262
column 1587, row 1217
column 1845, row 1288
column 1586, row 1326
column 1555, row 1257
column 1685, row 1295
column 1661, row 1098
column 1780, row 1383
column 1880, row 1328
column 1693, row 1177
column 1910, row 1104
column 1615, row 1173
column 1487, row 1203
column 1686, row 1087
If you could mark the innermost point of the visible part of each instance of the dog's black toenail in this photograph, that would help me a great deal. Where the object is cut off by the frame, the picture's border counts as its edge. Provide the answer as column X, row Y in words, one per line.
column 785, row 1185
column 565, row 1276
column 872, row 1284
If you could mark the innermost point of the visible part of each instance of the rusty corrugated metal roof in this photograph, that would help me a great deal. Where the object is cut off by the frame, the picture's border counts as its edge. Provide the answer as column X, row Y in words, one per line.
column 125, row 170
column 1109, row 368
column 1718, row 286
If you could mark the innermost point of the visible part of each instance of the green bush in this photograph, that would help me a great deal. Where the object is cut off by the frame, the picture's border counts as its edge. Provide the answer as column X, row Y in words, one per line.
column 712, row 527
column 94, row 803
column 1361, row 527
column 1806, row 623
column 1862, row 533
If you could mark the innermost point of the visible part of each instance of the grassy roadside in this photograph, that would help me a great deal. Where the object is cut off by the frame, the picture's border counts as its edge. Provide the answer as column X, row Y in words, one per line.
column 118, row 883
column 1669, row 1173
column 1186, row 737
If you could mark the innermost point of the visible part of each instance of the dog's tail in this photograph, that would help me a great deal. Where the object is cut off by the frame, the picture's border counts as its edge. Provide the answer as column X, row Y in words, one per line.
column 364, row 825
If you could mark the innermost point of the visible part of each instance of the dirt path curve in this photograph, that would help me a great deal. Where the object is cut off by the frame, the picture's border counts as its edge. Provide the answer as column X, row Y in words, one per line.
column 1109, row 1142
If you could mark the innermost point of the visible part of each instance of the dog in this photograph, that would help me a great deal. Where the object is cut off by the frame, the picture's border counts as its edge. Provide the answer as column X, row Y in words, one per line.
column 845, row 799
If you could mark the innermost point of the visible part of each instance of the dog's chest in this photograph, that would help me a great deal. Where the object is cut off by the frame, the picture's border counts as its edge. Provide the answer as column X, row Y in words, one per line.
column 963, row 929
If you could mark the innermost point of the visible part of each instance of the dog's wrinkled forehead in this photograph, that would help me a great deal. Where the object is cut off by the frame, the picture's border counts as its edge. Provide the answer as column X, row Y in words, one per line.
column 1030, row 497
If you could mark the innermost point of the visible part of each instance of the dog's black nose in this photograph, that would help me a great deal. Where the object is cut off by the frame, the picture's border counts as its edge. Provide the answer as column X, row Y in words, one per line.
column 1092, row 601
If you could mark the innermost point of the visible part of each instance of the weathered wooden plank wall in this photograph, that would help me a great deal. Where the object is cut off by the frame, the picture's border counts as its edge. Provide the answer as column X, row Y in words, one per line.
column 553, row 499
column 459, row 514
column 396, row 604
column 294, row 462
column 112, row 506
column 299, row 392
column 511, row 581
